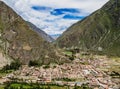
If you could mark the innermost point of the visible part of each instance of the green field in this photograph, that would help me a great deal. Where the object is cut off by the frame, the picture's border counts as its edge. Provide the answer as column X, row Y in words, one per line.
column 32, row 86
column 68, row 53
column 2, row 86
column 40, row 86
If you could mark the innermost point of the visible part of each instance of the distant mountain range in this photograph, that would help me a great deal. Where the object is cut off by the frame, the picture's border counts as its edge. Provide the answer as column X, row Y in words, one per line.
column 99, row 32
column 40, row 32
column 21, row 40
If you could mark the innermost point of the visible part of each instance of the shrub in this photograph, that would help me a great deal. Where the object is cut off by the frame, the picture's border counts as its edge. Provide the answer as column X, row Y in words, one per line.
column 34, row 63
column 46, row 66
column 13, row 66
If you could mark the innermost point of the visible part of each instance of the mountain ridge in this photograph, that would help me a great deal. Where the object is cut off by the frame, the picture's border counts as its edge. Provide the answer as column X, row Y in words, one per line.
column 20, row 42
column 100, row 30
column 41, row 32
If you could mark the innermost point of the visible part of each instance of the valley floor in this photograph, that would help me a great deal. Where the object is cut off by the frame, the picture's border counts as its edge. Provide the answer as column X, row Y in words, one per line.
column 99, row 72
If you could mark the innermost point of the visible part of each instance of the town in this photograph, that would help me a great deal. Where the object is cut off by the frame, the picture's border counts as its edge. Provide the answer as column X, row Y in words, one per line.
column 96, row 73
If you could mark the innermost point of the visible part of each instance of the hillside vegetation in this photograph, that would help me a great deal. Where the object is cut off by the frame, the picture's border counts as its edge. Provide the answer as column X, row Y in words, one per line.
column 98, row 32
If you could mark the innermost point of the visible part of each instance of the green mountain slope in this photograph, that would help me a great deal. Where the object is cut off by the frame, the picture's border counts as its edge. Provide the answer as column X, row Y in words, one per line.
column 98, row 32
column 19, row 41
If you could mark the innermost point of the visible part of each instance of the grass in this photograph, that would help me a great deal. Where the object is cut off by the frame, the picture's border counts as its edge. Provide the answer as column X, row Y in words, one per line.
column 56, row 87
column 2, row 86
column 68, row 53
column 4, row 73
column 33, row 86
column 19, row 85
column 115, row 58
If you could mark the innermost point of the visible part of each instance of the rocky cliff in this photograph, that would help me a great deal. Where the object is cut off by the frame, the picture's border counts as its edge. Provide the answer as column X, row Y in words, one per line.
column 19, row 41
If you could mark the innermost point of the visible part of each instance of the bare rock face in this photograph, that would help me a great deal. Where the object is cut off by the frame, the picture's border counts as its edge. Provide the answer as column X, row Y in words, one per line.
column 4, row 60
column 20, row 42
column 98, row 32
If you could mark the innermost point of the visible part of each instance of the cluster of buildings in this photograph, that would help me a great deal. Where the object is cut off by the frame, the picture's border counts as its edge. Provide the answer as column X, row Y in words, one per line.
column 81, row 73
column 78, row 72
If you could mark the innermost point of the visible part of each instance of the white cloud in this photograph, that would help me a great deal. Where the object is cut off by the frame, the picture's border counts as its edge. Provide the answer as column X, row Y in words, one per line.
column 87, row 5
column 50, row 23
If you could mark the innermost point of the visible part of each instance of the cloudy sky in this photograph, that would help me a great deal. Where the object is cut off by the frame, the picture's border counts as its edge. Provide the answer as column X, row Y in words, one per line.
column 54, row 16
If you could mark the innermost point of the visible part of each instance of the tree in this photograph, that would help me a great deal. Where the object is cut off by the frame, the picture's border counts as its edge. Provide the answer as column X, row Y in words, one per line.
column 75, row 87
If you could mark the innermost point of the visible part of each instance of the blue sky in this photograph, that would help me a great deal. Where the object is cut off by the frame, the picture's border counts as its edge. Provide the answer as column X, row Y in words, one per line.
column 54, row 16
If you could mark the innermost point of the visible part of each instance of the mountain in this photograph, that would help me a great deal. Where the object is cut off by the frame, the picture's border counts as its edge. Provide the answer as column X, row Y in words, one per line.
column 99, row 32
column 18, row 40
column 40, row 32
